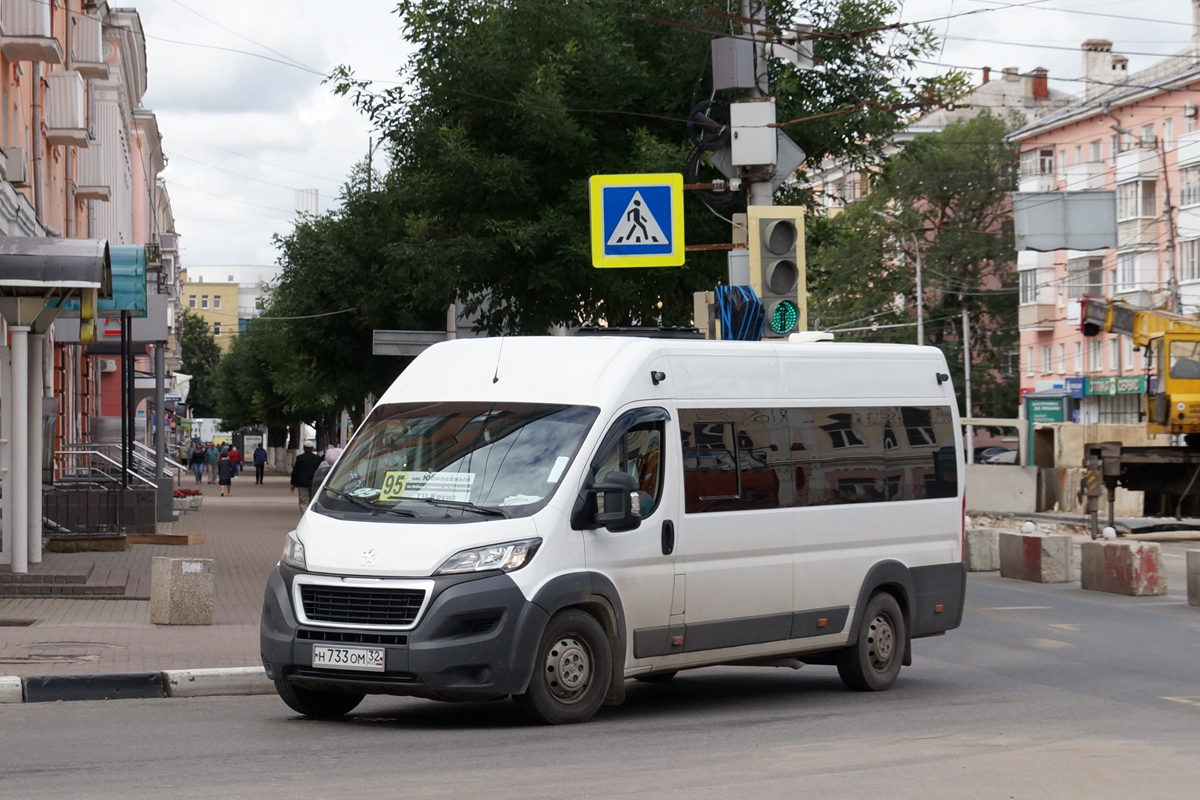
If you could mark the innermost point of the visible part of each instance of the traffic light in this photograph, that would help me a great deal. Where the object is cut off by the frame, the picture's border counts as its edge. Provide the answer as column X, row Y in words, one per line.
column 776, row 244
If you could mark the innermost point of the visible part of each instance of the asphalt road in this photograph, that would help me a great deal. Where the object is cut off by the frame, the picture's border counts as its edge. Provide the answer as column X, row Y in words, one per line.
column 1046, row 691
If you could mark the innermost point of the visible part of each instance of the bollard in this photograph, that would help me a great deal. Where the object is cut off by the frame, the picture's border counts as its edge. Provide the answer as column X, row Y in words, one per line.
column 1129, row 568
column 1036, row 558
column 983, row 550
column 181, row 591
column 1193, row 577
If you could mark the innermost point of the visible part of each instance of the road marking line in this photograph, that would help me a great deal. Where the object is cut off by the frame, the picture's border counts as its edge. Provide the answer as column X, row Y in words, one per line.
column 1067, row 626
column 1019, row 608
column 1188, row 701
column 1049, row 644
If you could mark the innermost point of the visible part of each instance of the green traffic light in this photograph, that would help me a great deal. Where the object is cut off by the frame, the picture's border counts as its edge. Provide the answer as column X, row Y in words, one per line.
column 784, row 316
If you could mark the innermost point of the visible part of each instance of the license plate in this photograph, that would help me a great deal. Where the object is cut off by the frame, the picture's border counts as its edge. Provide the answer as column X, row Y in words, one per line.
column 369, row 659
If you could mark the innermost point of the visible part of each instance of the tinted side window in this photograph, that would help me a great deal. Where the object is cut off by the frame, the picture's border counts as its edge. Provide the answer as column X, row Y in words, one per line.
column 735, row 459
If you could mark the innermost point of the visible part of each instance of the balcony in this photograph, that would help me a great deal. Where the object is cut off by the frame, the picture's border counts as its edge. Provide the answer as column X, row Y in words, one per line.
column 93, row 185
column 66, row 120
column 1038, row 183
column 27, row 32
column 1141, row 232
column 1080, row 177
column 87, row 46
column 1187, row 150
column 1140, row 162
column 1036, row 317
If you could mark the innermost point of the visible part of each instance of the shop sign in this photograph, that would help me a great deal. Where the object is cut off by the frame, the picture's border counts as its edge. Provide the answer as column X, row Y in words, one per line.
column 1114, row 385
column 1044, row 409
column 1074, row 387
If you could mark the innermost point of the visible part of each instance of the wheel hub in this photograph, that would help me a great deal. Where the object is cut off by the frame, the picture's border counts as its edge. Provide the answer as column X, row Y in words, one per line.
column 881, row 642
column 568, row 669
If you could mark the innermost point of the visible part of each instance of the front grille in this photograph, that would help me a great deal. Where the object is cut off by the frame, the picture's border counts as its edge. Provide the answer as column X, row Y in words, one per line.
column 361, row 606
column 352, row 637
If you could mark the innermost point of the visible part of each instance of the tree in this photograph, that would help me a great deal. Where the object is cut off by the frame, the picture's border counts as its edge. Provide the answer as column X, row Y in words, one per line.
column 948, row 194
column 201, row 356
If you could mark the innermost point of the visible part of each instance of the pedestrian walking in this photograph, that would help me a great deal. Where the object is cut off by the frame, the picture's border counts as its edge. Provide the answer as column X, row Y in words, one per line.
column 302, row 474
column 210, row 460
column 197, row 461
column 235, row 456
column 225, row 474
column 260, row 463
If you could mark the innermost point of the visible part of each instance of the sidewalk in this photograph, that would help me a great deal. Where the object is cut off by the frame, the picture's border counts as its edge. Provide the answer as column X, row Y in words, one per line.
column 244, row 533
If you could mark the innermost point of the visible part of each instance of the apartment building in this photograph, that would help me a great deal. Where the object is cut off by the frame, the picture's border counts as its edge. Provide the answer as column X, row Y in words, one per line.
column 1137, row 134
column 227, row 297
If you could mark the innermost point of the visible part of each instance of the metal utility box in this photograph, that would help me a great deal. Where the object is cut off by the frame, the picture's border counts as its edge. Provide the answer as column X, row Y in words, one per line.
column 753, row 139
column 733, row 63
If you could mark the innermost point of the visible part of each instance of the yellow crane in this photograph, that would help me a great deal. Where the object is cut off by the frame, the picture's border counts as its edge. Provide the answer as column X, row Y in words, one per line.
column 1167, row 475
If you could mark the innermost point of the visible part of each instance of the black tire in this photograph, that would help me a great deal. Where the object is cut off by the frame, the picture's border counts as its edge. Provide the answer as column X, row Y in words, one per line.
column 872, row 663
column 656, row 677
column 313, row 703
column 572, row 670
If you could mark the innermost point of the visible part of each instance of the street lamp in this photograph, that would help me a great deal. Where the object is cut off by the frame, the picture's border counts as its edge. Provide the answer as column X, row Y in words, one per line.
column 920, row 294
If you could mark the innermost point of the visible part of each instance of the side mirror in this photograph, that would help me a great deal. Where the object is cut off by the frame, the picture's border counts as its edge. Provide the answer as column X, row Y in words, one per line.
column 622, row 503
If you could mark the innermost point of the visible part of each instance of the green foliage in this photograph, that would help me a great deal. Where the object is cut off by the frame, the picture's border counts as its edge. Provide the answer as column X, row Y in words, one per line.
column 947, row 192
column 201, row 356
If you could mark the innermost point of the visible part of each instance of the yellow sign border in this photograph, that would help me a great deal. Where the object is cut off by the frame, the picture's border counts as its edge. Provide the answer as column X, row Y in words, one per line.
column 596, row 186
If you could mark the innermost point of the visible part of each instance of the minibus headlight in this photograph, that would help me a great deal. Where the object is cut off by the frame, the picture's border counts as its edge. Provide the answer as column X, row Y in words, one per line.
column 506, row 557
column 293, row 552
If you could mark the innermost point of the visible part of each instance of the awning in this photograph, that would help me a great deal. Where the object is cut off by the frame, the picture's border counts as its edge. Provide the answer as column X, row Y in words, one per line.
column 29, row 265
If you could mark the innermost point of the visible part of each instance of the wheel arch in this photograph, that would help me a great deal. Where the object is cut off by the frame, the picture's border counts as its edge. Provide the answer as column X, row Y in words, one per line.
column 596, row 595
column 892, row 577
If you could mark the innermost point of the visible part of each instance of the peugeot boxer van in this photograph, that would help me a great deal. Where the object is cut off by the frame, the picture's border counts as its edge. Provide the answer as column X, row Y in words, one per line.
column 545, row 518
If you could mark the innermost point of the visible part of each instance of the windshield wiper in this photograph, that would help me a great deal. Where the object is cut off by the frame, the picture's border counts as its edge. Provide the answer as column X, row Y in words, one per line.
column 374, row 509
column 484, row 511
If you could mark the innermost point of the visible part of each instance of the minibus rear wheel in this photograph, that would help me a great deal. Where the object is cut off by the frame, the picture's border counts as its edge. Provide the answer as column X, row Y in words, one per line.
column 314, row 703
column 571, row 671
column 872, row 663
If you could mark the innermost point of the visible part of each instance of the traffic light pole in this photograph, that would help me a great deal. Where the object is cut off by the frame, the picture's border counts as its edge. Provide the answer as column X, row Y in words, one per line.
column 760, row 192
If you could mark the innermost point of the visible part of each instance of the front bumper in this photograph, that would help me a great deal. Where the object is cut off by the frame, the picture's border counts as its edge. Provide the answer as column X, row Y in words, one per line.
column 476, row 639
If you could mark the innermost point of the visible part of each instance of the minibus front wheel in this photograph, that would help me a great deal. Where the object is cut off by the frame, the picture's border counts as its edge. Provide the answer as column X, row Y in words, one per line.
column 571, row 670
column 872, row 663
column 313, row 703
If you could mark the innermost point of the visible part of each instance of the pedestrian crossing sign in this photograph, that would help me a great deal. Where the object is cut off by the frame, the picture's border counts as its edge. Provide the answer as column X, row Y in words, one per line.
column 637, row 220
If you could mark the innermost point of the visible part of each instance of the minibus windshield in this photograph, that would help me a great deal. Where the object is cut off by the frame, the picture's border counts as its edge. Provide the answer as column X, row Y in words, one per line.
column 464, row 460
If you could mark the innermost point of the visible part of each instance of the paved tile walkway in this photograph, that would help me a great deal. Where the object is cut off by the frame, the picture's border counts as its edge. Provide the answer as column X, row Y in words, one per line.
column 244, row 533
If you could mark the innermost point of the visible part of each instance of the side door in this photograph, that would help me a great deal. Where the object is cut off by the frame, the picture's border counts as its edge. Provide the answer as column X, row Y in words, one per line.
column 642, row 563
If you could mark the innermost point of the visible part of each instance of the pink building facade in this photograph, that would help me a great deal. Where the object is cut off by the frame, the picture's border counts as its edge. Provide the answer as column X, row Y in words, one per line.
column 1138, row 135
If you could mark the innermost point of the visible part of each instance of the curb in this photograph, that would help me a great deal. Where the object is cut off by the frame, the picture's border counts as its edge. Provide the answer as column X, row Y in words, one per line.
column 221, row 682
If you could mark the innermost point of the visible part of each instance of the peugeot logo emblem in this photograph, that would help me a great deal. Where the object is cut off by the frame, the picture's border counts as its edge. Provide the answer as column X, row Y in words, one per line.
column 368, row 558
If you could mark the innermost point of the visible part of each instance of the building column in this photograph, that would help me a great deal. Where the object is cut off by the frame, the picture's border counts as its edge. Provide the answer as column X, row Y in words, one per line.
column 37, row 390
column 6, row 427
column 17, row 481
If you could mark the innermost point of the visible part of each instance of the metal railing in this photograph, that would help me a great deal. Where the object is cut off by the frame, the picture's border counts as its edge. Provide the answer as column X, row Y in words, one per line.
column 94, row 466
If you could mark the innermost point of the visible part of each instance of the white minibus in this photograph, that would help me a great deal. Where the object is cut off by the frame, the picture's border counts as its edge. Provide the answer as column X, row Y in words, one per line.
column 547, row 517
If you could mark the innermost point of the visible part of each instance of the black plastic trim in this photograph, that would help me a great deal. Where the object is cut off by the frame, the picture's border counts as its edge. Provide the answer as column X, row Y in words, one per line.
column 938, row 584
column 890, row 575
column 720, row 634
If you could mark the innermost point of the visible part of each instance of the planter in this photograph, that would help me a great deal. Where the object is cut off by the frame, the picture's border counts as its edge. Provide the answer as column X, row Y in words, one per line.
column 196, row 499
column 181, row 503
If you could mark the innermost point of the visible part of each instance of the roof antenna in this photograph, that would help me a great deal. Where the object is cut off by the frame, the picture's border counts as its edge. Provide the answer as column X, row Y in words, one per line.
column 500, row 352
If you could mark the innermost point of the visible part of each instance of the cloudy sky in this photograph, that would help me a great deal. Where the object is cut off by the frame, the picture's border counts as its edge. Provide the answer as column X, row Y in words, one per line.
column 242, row 133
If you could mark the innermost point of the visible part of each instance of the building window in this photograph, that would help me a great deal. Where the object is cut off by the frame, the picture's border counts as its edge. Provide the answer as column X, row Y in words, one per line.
column 1078, row 154
column 1189, row 260
column 1126, row 272
column 1029, row 361
column 216, row 301
column 1114, row 354
column 1096, row 357
column 1062, row 358
column 1189, row 186
column 1037, row 162
column 1136, row 200
column 1114, row 147
column 1028, row 280
column 1128, row 352
column 1062, row 162
column 204, row 301
column 1189, row 122
column 1168, row 133
column 1077, row 366
column 1095, row 156
column 1085, row 276
column 1147, row 137
column 191, row 301
column 216, row 330
column 1047, row 359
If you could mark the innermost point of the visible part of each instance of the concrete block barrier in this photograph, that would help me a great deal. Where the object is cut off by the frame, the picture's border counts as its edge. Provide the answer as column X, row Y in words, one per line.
column 1037, row 558
column 217, row 682
column 181, row 590
column 983, row 550
column 1129, row 568
column 10, row 690
column 1193, row 577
